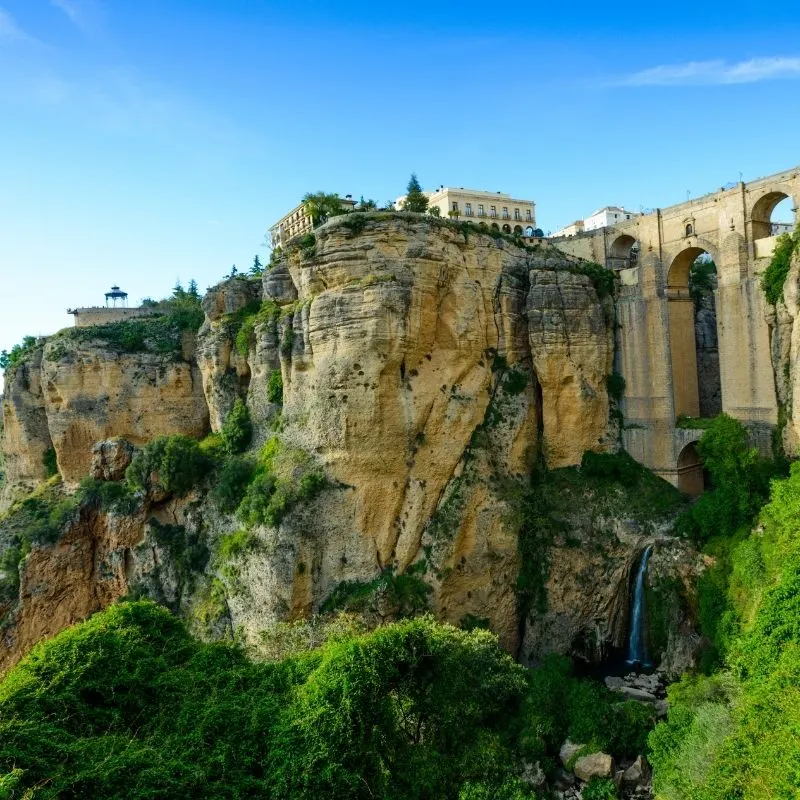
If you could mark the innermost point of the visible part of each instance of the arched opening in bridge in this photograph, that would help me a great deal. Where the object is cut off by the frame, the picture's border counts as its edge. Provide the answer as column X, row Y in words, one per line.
column 773, row 214
column 691, row 479
column 506, row 229
column 518, row 230
column 623, row 252
column 694, row 347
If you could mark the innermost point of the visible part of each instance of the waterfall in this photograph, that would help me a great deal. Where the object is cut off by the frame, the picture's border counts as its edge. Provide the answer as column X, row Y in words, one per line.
column 637, row 636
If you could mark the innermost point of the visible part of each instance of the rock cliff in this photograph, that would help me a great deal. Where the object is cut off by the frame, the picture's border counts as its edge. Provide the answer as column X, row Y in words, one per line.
column 424, row 368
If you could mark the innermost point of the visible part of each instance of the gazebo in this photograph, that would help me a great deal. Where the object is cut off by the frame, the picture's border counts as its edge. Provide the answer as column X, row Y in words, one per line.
column 116, row 294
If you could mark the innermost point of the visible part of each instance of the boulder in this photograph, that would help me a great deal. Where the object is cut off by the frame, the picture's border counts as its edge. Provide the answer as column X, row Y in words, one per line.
column 637, row 773
column 110, row 459
column 568, row 750
column 533, row 775
column 595, row 765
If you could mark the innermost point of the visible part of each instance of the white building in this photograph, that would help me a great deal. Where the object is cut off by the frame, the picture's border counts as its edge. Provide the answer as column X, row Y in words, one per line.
column 493, row 209
column 605, row 217
column 571, row 230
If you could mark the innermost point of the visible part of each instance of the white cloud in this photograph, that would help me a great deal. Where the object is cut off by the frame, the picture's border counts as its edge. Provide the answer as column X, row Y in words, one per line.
column 11, row 31
column 84, row 14
column 715, row 73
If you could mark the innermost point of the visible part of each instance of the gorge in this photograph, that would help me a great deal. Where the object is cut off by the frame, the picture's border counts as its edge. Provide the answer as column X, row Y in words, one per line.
column 403, row 416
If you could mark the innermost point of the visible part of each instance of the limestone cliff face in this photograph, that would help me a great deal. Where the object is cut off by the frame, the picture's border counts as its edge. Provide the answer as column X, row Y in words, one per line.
column 25, row 435
column 397, row 340
column 422, row 369
column 73, row 393
column 785, row 342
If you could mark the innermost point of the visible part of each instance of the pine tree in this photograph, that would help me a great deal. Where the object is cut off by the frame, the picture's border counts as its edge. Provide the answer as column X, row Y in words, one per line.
column 415, row 199
column 257, row 268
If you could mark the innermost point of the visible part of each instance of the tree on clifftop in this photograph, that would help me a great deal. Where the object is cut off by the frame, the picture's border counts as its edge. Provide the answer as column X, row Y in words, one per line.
column 320, row 206
column 415, row 199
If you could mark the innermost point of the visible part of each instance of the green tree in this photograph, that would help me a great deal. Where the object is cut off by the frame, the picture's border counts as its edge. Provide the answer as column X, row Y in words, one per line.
column 258, row 268
column 435, row 211
column 415, row 200
column 237, row 430
column 321, row 206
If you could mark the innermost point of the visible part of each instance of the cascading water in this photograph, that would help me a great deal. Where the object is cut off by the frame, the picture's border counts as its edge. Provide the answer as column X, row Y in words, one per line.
column 637, row 636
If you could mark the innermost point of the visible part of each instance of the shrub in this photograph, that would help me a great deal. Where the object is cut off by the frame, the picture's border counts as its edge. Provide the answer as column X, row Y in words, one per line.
column 599, row 789
column 50, row 462
column 275, row 387
column 615, row 384
column 740, row 480
column 285, row 477
column 18, row 354
column 774, row 277
column 234, row 545
column 106, row 495
column 237, row 430
column 231, row 484
column 174, row 464
column 406, row 594
column 36, row 521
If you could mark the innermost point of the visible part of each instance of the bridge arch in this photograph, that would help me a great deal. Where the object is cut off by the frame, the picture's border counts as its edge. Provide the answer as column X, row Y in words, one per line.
column 694, row 347
column 623, row 252
column 774, row 207
column 691, row 479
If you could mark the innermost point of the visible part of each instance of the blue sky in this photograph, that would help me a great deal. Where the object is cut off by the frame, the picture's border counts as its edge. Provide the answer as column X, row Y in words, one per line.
column 147, row 141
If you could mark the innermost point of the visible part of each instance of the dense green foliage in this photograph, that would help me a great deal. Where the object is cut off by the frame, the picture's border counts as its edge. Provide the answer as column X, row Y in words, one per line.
column 775, row 274
column 736, row 733
column 231, row 482
column 173, row 464
column 405, row 594
column 320, row 206
column 237, row 430
column 127, row 705
column 283, row 477
column 275, row 387
column 37, row 520
column 19, row 352
column 739, row 477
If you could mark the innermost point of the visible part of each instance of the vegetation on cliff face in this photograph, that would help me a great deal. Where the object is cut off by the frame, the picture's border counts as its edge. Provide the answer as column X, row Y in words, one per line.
column 774, row 277
column 733, row 733
column 128, row 704
column 739, row 477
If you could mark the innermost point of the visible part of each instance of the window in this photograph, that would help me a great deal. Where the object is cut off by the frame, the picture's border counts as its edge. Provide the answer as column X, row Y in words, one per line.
column 468, row 209
column 480, row 210
column 455, row 206
column 516, row 214
column 627, row 216
column 505, row 212
column 528, row 215
column 492, row 211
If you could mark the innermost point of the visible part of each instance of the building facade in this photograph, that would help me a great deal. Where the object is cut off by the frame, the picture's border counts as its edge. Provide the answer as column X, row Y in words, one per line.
column 605, row 217
column 298, row 222
column 494, row 209
column 571, row 230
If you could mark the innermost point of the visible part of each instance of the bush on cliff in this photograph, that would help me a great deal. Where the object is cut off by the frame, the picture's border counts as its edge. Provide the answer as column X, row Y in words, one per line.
column 237, row 430
column 173, row 464
column 774, row 277
column 284, row 477
column 739, row 477
column 735, row 733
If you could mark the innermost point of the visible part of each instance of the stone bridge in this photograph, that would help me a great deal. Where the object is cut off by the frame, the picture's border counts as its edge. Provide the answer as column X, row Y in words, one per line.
column 667, row 375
